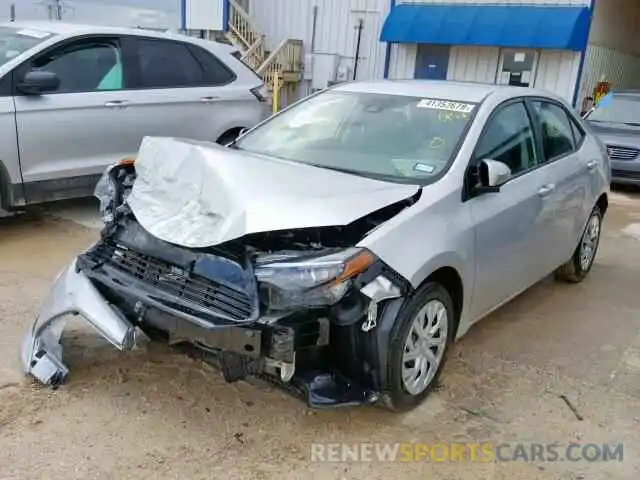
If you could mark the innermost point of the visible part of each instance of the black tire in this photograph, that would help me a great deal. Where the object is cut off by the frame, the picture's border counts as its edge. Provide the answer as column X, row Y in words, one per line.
column 397, row 398
column 574, row 271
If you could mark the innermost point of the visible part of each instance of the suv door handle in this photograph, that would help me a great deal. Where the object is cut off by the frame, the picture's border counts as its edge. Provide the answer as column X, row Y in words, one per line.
column 116, row 103
column 209, row 99
column 592, row 164
column 546, row 190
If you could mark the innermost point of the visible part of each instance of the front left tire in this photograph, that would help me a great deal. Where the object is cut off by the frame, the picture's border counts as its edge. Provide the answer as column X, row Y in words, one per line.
column 421, row 338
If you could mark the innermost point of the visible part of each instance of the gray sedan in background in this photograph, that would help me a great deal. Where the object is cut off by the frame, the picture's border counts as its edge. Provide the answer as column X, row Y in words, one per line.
column 75, row 99
column 339, row 248
column 616, row 121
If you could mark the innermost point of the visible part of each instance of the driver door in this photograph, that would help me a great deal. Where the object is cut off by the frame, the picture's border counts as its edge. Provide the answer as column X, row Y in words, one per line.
column 510, row 225
column 67, row 137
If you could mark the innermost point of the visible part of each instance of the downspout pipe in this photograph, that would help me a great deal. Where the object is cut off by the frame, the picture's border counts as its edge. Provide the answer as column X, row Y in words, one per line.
column 583, row 57
column 387, row 55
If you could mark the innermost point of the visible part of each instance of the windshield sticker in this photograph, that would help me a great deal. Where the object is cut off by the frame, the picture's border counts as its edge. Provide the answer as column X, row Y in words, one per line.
column 423, row 167
column 445, row 105
column 33, row 33
column 449, row 116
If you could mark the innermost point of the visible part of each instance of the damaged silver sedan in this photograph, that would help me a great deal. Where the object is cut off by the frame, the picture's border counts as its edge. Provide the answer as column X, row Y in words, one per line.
column 340, row 247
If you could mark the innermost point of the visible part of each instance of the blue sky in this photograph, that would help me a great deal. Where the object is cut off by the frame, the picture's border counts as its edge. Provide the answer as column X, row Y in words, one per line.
column 162, row 13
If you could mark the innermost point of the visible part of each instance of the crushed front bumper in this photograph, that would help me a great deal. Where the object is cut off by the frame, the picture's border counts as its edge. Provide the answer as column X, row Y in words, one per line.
column 341, row 365
column 72, row 294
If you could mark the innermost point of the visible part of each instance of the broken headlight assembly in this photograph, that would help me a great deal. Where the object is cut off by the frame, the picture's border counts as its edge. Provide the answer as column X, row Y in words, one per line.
column 290, row 281
column 114, row 187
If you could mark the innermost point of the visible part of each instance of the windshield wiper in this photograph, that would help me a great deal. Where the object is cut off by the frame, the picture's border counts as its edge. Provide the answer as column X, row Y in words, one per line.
column 361, row 173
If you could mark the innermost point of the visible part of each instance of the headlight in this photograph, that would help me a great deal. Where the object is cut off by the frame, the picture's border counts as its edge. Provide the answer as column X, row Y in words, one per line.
column 113, row 188
column 290, row 282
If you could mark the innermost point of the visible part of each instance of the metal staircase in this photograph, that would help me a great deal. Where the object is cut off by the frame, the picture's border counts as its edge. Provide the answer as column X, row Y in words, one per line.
column 281, row 69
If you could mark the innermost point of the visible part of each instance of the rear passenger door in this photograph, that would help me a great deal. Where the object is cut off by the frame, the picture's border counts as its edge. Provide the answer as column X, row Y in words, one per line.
column 180, row 89
column 560, row 141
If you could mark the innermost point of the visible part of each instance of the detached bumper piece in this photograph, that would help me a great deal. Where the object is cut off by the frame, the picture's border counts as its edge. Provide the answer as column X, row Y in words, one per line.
column 72, row 294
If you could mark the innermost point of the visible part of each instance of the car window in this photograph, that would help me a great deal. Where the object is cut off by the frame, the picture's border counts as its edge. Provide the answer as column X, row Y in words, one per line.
column 508, row 138
column 167, row 64
column 84, row 67
column 215, row 71
column 399, row 138
column 557, row 134
column 578, row 133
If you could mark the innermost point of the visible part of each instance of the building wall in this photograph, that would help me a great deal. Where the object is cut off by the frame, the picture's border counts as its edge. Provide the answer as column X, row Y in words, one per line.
column 505, row 2
column 613, row 53
column 557, row 70
column 336, row 29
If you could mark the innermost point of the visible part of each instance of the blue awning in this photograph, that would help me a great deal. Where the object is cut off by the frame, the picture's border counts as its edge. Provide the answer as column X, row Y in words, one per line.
column 563, row 28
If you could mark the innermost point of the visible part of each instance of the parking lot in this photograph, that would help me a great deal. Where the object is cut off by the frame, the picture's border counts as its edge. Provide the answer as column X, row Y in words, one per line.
column 560, row 364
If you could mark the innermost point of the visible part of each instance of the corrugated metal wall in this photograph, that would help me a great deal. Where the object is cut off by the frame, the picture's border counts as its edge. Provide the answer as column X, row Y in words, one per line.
column 557, row 70
column 474, row 64
column 506, row 2
column 614, row 46
column 336, row 28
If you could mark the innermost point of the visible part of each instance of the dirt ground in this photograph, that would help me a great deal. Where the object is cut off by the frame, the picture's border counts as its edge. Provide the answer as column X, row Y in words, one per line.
column 154, row 414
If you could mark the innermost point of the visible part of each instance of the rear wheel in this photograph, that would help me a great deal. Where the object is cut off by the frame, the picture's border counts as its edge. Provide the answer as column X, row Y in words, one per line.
column 577, row 268
column 423, row 333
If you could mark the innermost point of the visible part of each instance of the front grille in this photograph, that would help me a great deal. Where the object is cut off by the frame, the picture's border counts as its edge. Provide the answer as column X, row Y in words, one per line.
column 221, row 299
column 625, row 174
column 622, row 153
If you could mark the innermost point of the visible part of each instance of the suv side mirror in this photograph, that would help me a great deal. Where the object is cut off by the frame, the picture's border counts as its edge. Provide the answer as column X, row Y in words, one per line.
column 492, row 174
column 37, row 82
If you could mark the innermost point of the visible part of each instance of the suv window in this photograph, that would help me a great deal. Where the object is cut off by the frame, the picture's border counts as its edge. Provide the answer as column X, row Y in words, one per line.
column 215, row 71
column 557, row 133
column 84, row 67
column 167, row 64
column 508, row 138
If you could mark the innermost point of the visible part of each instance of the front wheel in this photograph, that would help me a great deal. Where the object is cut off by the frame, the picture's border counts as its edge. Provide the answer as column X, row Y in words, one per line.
column 421, row 337
column 577, row 268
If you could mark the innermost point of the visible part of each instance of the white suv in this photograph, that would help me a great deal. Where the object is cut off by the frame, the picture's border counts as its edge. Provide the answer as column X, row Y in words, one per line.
column 75, row 99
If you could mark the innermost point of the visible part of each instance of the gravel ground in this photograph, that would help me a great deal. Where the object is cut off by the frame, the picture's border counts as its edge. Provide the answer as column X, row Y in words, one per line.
column 153, row 413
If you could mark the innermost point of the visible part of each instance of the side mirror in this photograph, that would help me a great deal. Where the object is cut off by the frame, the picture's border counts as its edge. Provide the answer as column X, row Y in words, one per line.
column 37, row 82
column 492, row 175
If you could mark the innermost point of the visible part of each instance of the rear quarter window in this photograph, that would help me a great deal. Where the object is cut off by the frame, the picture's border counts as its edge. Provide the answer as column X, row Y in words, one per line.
column 216, row 72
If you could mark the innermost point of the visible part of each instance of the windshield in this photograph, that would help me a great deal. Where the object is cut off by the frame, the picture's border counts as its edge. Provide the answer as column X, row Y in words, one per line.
column 390, row 137
column 14, row 41
column 618, row 109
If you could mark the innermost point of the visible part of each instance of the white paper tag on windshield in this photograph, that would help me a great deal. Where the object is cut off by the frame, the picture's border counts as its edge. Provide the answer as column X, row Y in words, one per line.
column 33, row 33
column 445, row 105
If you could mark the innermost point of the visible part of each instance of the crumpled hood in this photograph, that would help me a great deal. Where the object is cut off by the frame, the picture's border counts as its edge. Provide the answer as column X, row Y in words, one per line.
column 198, row 194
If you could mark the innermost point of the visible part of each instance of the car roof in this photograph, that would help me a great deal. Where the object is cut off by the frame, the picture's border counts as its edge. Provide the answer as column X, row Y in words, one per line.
column 473, row 92
column 73, row 29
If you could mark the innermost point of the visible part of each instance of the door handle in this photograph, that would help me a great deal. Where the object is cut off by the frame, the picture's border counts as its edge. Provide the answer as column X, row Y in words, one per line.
column 592, row 165
column 116, row 103
column 209, row 99
column 546, row 190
